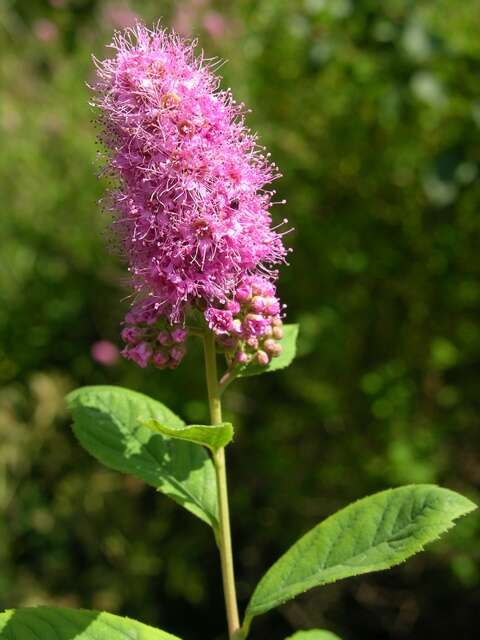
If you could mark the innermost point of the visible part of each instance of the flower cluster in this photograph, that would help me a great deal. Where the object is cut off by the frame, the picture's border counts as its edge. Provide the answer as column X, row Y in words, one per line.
column 249, row 326
column 191, row 214
column 151, row 341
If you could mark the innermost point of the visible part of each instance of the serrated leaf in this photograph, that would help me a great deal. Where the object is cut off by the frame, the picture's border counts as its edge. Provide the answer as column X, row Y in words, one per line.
column 372, row 534
column 107, row 422
column 289, row 349
column 48, row 623
column 313, row 634
column 213, row 436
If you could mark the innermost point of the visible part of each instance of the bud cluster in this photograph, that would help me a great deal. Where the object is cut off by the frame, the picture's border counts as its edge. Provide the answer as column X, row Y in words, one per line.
column 150, row 340
column 249, row 327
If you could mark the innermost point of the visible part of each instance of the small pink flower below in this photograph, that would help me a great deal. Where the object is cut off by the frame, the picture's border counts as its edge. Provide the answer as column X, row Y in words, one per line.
column 105, row 352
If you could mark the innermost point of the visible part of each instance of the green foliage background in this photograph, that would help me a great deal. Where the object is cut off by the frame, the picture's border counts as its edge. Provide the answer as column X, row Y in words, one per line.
column 372, row 111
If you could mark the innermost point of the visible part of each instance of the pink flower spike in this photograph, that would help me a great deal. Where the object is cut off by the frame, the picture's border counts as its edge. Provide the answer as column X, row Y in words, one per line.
column 190, row 201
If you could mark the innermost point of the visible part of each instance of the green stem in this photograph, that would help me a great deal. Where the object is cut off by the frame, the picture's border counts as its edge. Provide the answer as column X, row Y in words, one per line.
column 224, row 534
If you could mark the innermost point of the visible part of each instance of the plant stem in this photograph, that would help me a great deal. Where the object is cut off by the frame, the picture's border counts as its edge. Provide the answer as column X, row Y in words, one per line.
column 224, row 534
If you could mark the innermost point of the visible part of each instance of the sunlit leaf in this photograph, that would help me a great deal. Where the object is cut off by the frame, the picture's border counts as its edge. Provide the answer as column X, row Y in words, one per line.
column 51, row 623
column 374, row 533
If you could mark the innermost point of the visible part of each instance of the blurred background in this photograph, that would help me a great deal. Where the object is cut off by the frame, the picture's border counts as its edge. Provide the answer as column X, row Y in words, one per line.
column 372, row 112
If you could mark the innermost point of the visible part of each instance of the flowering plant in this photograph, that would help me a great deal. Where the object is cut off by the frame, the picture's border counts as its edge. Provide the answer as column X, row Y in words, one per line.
column 191, row 217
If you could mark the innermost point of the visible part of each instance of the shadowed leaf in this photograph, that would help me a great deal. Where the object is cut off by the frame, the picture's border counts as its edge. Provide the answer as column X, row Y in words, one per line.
column 108, row 420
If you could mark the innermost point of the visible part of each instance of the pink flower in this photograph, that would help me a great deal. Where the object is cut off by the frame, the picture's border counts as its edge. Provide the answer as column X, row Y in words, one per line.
column 214, row 23
column 255, row 324
column 45, row 30
column 105, row 352
column 219, row 321
column 119, row 15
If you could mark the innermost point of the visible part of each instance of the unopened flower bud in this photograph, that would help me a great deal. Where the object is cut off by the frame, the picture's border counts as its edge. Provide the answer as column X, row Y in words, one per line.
column 228, row 342
column 272, row 306
column 179, row 335
column 233, row 306
column 252, row 342
column 269, row 344
column 164, row 338
column 140, row 354
column 277, row 332
column 160, row 359
column 273, row 348
column 257, row 304
column 262, row 358
column 236, row 326
column 177, row 353
column 241, row 357
column 243, row 293
column 131, row 335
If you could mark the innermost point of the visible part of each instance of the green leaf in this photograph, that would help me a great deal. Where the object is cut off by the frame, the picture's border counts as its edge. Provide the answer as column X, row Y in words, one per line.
column 372, row 534
column 48, row 623
column 289, row 349
column 313, row 634
column 107, row 421
column 212, row 436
